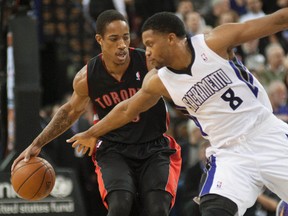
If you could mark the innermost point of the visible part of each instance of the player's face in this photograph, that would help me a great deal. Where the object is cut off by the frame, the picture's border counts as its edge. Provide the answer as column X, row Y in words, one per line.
column 115, row 42
column 157, row 48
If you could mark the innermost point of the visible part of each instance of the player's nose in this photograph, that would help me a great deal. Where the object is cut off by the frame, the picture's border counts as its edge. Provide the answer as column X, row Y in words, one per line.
column 147, row 52
column 122, row 44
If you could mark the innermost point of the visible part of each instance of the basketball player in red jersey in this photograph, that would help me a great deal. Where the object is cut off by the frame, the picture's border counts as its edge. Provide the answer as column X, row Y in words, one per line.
column 136, row 159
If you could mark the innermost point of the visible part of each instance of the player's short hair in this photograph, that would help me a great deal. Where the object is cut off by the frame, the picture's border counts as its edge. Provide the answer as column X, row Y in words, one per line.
column 165, row 22
column 105, row 18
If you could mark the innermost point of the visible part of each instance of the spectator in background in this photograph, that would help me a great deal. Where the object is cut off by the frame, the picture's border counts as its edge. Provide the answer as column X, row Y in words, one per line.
column 194, row 23
column 254, row 10
column 218, row 7
column 238, row 6
column 252, row 57
column 277, row 93
column 191, row 151
column 285, row 80
column 282, row 37
column 228, row 17
column 202, row 6
column 274, row 69
column 195, row 139
column 183, row 8
column 192, row 181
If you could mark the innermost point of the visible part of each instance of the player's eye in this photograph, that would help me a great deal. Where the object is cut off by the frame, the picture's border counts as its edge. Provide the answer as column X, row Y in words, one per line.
column 113, row 39
column 149, row 44
column 126, row 38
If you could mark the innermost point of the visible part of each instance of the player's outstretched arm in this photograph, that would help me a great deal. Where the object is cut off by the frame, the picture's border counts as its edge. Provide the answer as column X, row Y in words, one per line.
column 62, row 120
column 227, row 36
column 122, row 114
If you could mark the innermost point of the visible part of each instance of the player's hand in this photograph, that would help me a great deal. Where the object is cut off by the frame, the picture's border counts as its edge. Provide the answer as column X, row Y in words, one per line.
column 30, row 151
column 84, row 142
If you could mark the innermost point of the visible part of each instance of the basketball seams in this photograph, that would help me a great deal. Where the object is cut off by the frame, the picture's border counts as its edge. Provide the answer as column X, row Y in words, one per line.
column 29, row 177
column 46, row 170
column 25, row 164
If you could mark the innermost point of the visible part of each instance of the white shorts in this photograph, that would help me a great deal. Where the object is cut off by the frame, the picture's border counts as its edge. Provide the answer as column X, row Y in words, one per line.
column 240, row 171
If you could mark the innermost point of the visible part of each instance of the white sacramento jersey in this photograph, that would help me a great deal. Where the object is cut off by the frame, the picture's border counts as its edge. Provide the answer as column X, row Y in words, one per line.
column 221, row 96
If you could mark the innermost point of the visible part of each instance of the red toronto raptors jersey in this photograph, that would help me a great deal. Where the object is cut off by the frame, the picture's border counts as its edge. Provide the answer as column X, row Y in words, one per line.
column 106, row 92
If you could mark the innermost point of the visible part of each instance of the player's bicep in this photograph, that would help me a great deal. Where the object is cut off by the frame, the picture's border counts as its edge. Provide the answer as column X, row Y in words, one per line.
column 78, row 103
column 80, row 98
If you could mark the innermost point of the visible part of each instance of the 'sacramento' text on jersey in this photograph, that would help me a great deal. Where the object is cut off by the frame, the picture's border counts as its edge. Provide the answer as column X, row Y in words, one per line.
column 215, row 92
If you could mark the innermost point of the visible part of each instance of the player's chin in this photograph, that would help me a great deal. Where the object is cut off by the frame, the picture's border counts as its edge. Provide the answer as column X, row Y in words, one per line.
column 120, row 62
column 121, row 59
column 158, row 66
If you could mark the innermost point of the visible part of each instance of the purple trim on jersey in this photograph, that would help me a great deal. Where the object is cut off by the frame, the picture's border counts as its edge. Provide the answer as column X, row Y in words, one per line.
column 244, row 75
column 282, row 208
column 210, row 173
column 186, row 113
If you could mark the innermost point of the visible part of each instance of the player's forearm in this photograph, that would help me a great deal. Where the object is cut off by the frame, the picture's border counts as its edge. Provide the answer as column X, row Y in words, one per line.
column 118, row 117
column 61, row 122
column 281, row 18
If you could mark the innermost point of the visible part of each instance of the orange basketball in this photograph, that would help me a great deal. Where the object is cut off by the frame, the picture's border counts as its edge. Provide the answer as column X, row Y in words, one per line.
column 33, row 180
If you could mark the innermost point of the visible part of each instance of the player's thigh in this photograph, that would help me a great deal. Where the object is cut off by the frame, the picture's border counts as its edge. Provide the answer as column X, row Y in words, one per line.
column 234, row 177
column 272, row 159
column 216, row 205
column 161, row 171
column 275, row 174
column 155, row 172
column 114, row 173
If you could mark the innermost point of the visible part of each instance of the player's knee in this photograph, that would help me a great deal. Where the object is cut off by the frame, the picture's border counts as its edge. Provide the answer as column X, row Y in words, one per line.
column 216, row 205
column 119, row 203
column 157, row 210
column 121, row 208
column 157, row 203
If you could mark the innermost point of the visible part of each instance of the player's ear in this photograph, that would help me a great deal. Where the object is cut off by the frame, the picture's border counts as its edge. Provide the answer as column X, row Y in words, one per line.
column 171, row 37
column 98, row 38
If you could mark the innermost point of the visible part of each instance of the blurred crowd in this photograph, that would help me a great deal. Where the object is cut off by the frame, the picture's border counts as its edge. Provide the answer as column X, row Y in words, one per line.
column 66, row 36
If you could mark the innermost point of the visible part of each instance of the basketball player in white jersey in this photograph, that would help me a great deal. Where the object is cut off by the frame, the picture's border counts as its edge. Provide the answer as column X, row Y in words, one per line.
column 249, row 145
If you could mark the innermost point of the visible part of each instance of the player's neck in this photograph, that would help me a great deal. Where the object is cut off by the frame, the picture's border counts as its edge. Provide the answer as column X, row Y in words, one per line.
column 116, row 70
column 185, row 54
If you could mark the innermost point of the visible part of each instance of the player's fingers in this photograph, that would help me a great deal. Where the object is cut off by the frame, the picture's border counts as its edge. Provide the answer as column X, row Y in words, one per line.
column 80, row 148
column 70, row 140
column 27, row 157
column 75, row 144
column 90, row 151
column 14, row 164
column 85, row 149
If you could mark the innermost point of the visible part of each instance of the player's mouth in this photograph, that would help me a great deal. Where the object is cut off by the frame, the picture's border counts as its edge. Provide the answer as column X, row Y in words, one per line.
column 121, row 56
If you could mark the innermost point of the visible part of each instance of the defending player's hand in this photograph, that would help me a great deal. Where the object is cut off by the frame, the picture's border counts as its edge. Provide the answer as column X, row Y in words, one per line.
column 84, row 142
column 30, row 151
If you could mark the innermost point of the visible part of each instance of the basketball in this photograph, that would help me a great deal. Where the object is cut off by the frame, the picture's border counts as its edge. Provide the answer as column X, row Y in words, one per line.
column 33, row 180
